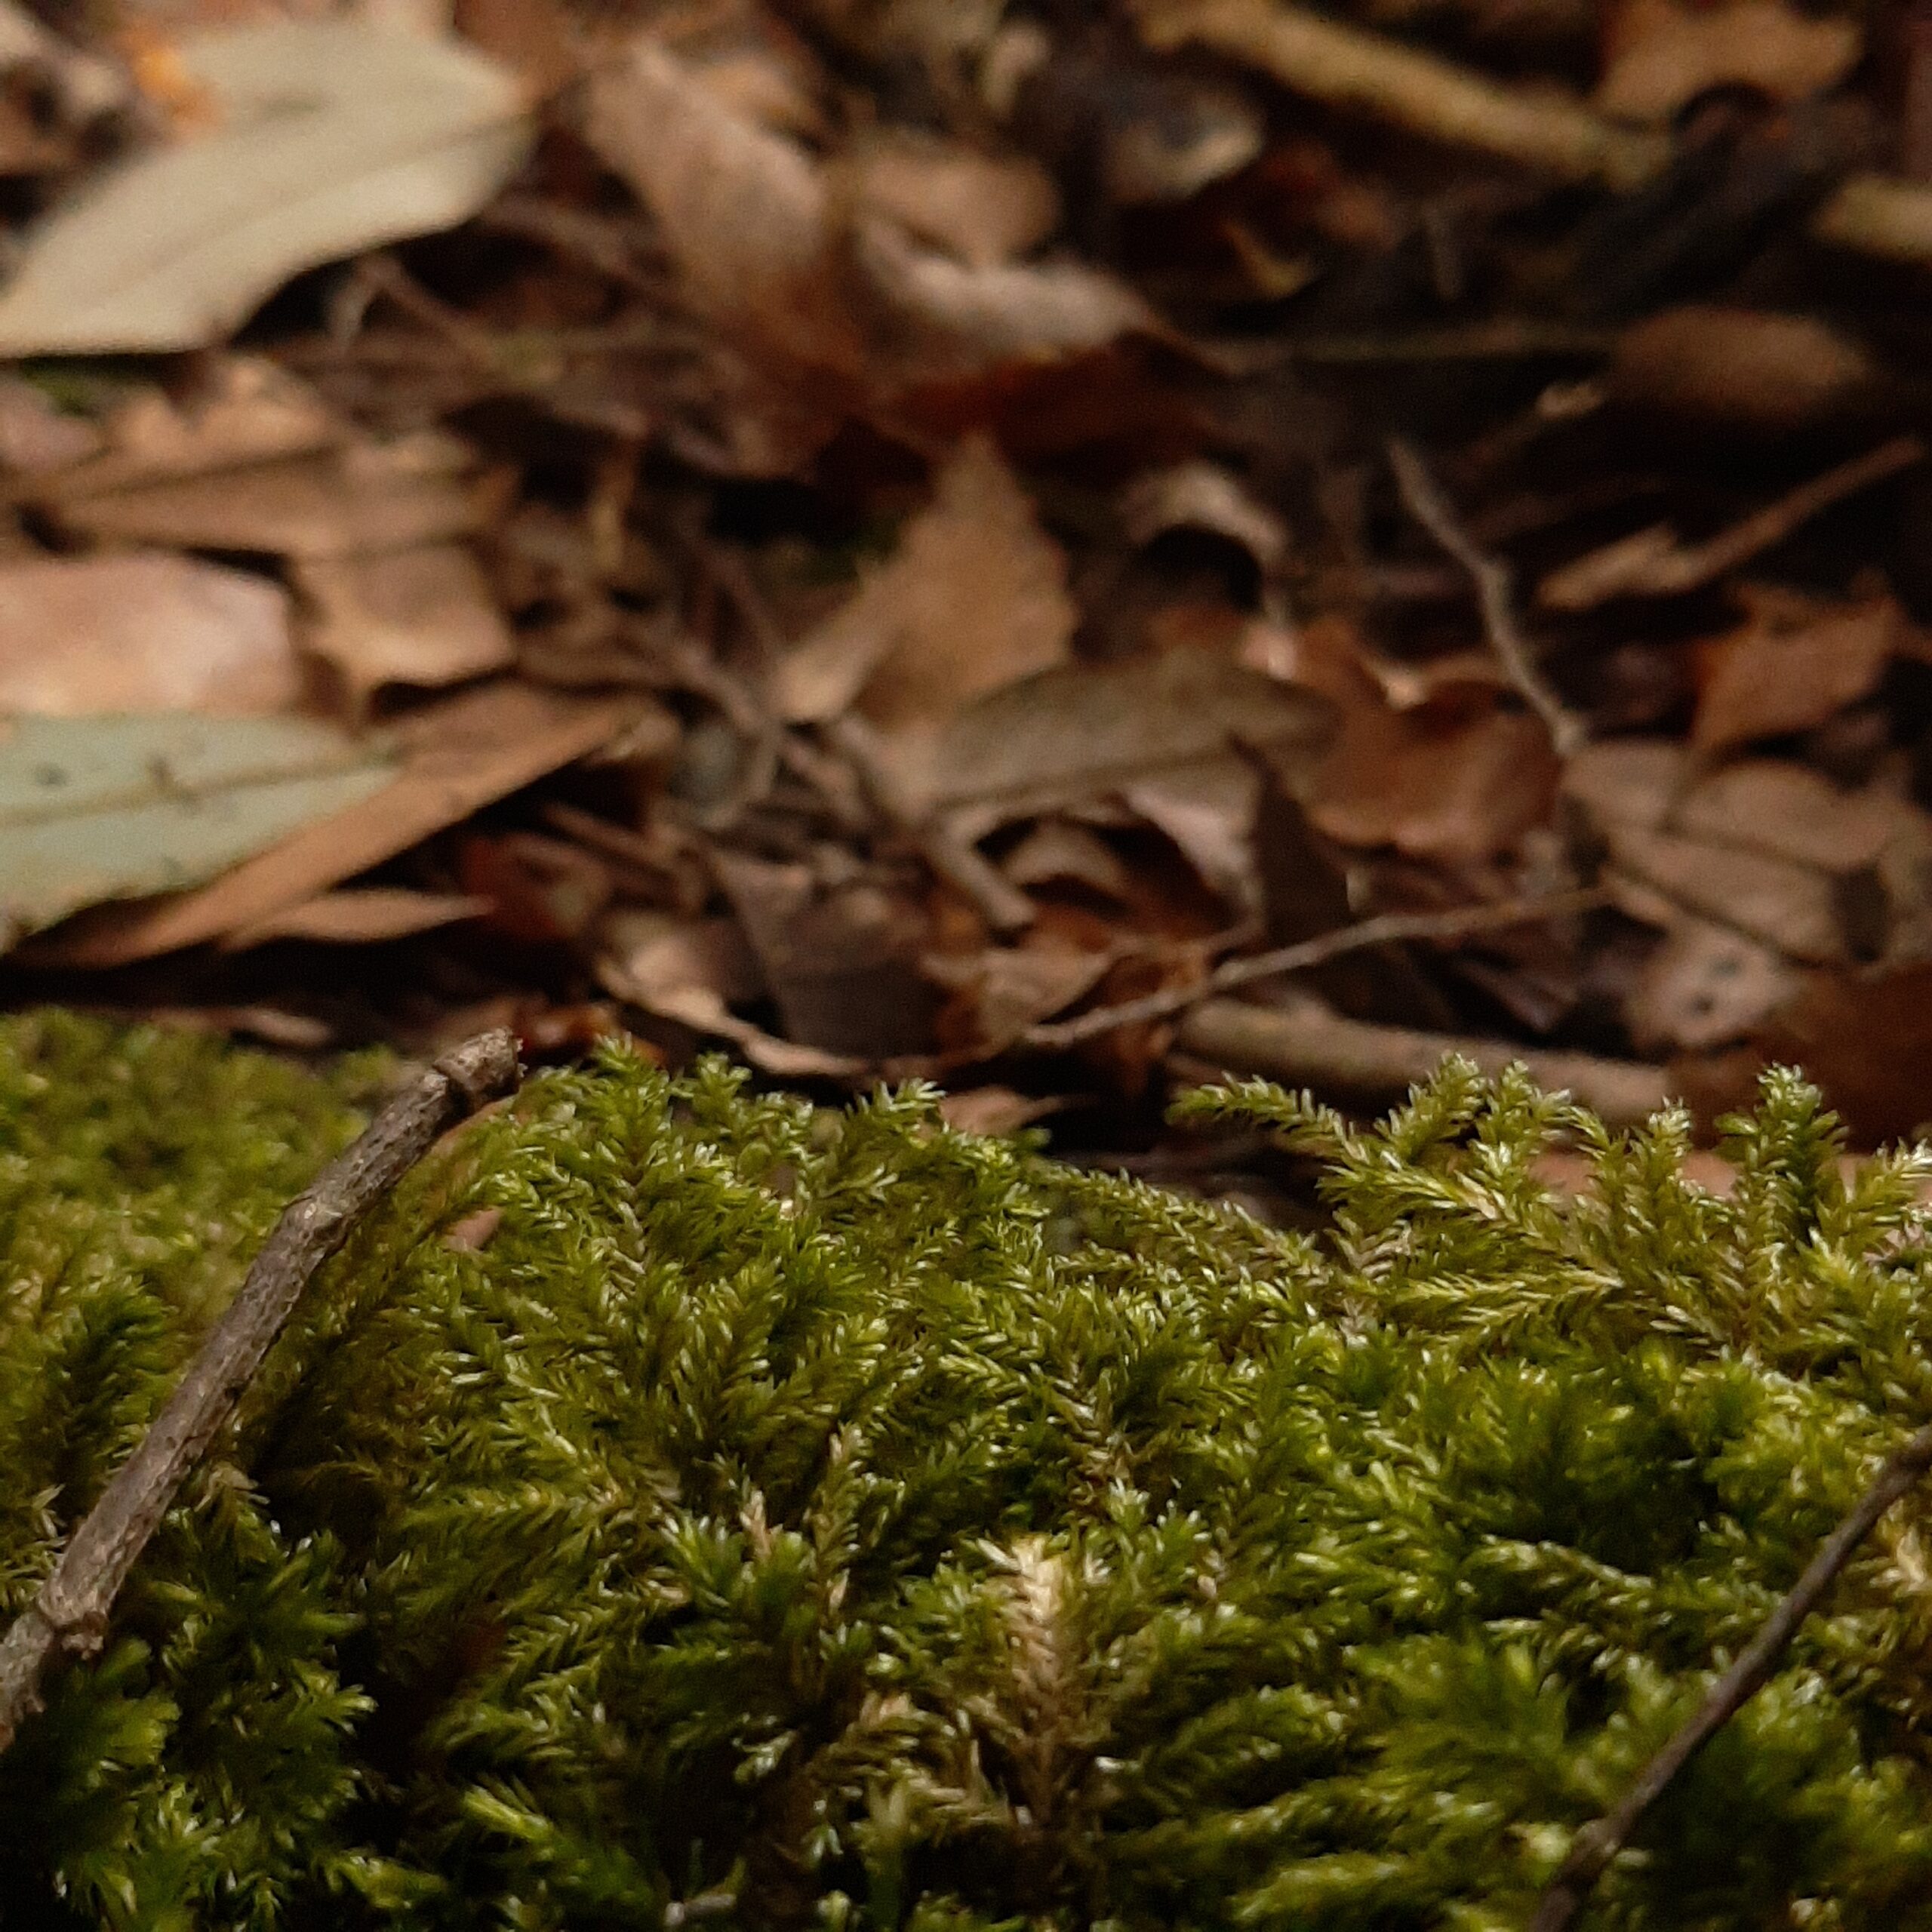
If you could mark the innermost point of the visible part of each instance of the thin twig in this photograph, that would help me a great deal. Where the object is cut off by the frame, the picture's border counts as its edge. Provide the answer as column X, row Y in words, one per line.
column 1495, row 594
column 1598, row 1842
column 1385, row 929
column 68, row 1617
column 1654, row 563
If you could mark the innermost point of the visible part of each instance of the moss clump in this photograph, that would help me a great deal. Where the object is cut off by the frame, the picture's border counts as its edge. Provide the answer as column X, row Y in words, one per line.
column 790, row 1518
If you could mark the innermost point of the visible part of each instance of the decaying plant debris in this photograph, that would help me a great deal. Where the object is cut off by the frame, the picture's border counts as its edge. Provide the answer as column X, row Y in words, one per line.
column 907, row 539
column 678, row 1505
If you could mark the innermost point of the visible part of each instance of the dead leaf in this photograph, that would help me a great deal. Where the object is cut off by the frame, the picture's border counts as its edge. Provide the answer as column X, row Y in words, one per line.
column 1634, row 782
column 1795, row 908
column 1866, row 1039
column 994, row 1112
column 421, row 616
column 841, row 961
column 142, row 633
column 35, row 436
column 1790, row 665
column 95, row 809
column 1058, row 852
column 1705, row 986
column 982, row 209
column 655, row 952
column 1790, row 811
column 1661, row 55
column 457, row 756
column 1207, row 810
column 1745, row 366
column 1458, row 777
column 360, row 916
column 332, row 138
column 996, row 994
column 1203, row 496
column 372, row 496
column 538, row 891
column 744, row 211
column 948, row 319
column 249, row 411
column 701, row 1010
column 1081, row 729
column 974, row 598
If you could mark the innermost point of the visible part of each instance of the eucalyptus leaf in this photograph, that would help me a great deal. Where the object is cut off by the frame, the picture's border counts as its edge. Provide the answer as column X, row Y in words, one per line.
column 333, row 138
column 93, row 809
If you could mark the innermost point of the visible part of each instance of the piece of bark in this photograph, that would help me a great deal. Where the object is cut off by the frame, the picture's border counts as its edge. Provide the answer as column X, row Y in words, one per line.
column 69, row 1615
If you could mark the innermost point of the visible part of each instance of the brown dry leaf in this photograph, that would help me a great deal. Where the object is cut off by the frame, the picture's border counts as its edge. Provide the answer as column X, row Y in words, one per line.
column 1209, row 811
column 1058, row 852
column 1705, row 986
column 1792, row 664
column 942, row 318
column 744, row 211
column 459, row 755
column 655, row 952
column 1457, row 778
column 248, row 411
column 997, row 994
column 995, row 1112
column 1866, row 1039
column 359, row 917
column 974, row 598
column 540, row 891
column 1795, row 907
column 1746, row 366
column 37, row 437
column 421, row 616
column 841, row 961
column 983, row 209
column 370, row 497
column 143, row 632
column 1083, row 731
column 1790, row 811
column 1628, row 781
column 1203, row 496
column 1661, row 55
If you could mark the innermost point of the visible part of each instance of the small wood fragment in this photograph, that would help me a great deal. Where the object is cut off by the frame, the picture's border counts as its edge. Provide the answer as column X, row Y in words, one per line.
column 68, row 1617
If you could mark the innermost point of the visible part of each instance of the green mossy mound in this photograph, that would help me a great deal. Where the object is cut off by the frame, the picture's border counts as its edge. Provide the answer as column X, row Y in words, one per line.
column 793, row 1518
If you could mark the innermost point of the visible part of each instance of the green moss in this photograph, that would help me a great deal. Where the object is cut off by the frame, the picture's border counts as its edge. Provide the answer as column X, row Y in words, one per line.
column 800, row 1519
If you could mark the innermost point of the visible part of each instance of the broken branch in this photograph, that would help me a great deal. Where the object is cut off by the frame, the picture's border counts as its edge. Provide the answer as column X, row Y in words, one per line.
column 1385, row 929
column 1598, row 1842
column 68, row 1617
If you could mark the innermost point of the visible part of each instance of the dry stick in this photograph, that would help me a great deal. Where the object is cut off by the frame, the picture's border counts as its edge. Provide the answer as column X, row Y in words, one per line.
column 68, row 1617
column 1653, row 563
column 1598, row 1842
column 1873, row 214
column 1305, row 1044
column 1496, row 595
column 1385, row 929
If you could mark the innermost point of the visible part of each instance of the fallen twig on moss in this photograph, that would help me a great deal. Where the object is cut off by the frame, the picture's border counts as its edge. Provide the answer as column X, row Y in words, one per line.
column 1598, row 1842
column 68, row 1617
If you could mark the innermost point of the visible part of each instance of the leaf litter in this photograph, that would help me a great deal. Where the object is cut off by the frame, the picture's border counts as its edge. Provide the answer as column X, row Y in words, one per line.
column 943, row 540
